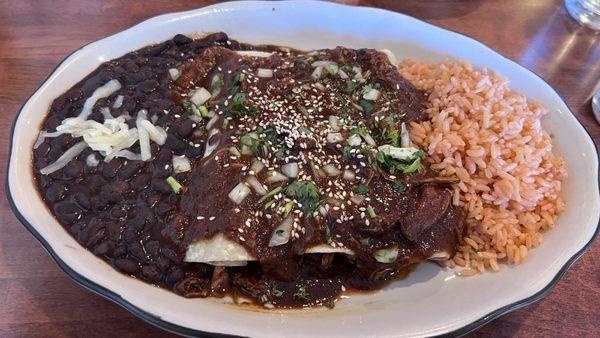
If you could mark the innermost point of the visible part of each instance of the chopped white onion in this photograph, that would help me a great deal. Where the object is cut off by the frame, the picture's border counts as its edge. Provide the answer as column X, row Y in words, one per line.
column 369, row 139
column 404, row 136
column 357, row 199
column 211, row 123
column 210, row 147
column 322, row 63
column 143, row 135
column 275, row 176
column 257, row 166
column 128, row 154
column 181, row 164
column 254, row 53
column 334, row 137
column 372, row 95
column 100, row 93
column 65, row 158
column 200, row 96
column 256, row 185
column 218, row 77
column 357, row 73
column 316, row 74
column 334, row 123
column 349, row 175
column 239, row 193
column 246, row 150
column 264, row 72
column 281, row 234
column 354, row 140
column 157, row 134
column 323, row 211
column 343, row 74
column 195, row 118
column 320, row 87
column 91, row 160
column 398, row 153
column 387, row 255
column 175, row 73
column 290, row 169
column 40, row 139
column 118, row 102
column 331, row 170
column 105, row 111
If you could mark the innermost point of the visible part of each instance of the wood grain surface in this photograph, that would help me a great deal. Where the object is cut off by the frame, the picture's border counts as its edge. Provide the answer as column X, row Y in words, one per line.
column 38, row 299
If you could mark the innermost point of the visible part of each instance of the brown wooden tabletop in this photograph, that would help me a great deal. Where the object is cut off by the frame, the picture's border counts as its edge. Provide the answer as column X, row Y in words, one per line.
column 38, row 299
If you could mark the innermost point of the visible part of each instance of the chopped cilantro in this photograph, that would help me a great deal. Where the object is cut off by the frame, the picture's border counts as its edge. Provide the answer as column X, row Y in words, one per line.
column 239, row 108
column 399, row 186
column 277, row 293
column 349, row 87
column 366, row 89
column 346, row 68
column 217, row 83
column 302, row 293
column 405, row 166
column 365, row 241
column 346, row 154
column 237, row 81
column 306, row 193
column 361, row 188
column 367, row 107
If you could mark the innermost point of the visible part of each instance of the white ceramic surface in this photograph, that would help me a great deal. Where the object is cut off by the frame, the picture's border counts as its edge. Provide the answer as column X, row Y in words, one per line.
column 432, row 300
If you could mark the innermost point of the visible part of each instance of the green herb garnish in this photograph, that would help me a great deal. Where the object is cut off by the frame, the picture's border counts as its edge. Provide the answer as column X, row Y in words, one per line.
column 240, row 107
column 217, row 84
column 346, row 154
column 399, row 186
column 269, row 194
column 367, row 107
column 407, row 166
column 371, row 212
column 203, row 111
column 275, row 292
column 302, row 293
column 365, row 241
column 237, row 81
column 306, row 193
column 346, row 68
column 361, row 188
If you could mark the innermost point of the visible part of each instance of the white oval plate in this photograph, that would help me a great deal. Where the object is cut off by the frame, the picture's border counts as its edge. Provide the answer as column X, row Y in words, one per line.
column 432, row 300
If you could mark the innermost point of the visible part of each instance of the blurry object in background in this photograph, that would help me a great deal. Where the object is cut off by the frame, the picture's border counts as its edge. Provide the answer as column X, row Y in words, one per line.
column 586, row 12
column 596, row 105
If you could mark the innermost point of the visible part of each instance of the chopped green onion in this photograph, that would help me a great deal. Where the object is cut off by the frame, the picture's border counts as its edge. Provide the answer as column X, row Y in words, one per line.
column 366, row 106
column 399, row 186
column 371, row 211
column 365, row 241
column 269, row 194
column 176, row 186
column 361, row 188
column 275, row 292
column 415, row 166
column 233, row 150
column 288, row 208
column 302, row 293
column 332, row 69
column 203, row 111
column 225, row 124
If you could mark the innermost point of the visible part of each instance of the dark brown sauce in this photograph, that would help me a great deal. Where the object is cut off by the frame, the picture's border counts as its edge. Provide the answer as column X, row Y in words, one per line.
column 125, row 212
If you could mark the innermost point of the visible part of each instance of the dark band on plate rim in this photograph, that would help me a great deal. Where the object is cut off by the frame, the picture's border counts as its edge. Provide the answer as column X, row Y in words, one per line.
column 181, row 330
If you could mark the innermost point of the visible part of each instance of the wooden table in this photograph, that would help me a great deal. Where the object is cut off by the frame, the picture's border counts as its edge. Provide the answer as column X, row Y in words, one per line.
column 38, row 299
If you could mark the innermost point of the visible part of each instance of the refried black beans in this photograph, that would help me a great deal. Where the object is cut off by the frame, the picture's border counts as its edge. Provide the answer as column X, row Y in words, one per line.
column 299, row 163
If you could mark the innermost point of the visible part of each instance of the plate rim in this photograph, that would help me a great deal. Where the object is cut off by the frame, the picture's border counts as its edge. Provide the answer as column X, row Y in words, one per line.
column 186, row 331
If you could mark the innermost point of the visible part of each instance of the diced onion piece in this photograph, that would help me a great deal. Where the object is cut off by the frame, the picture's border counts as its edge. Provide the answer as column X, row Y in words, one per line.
column 211, row 144
column 40, row 139
column 233, row 150
column 181, row 164
column 387, row 255
column 128, row 154
column 246, row 150
column 256, row 185
column 372, row 95
column 334, row 123
column 200, row 96
column 257, row 166
column 264, row 72
column 349, row 175
column 357, row 199
column 331, row 170
column 391, row 57
column 357, row 73
column 403, row 154
column 322, row 63
column 100, row 93
column 334, row 137
column 65, row 158
column 343, row 74
column 211, row 123
column 144, row 137
column 320, row 87
column 290, row 169
column 275, row 176
column 91, row 160
column 404, row 137
column 195, row 118
column 175, row 185
column 281, row 234
column 323, row 211
column 254, row 53
column 175, row 73
column 105, row 111
column 354, row 140
column 369, row 139
column 332, row 69
column 316, row 74
column 216, row 84
column 249, row 138
column 439, row 256
column 157, row 134
column 239, row 193
column 118, row 102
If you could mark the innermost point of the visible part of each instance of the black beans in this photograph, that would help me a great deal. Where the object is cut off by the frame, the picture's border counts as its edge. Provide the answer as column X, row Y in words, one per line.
column 113, row 231
column 140, row 182
column 104, row 248
column 176, row 144
column 120, row 250
column 170, row 254
column 127, row 265
column 109, row 170
column 147, row 86
column 151, row 273
column 185, row 129
column 161, row 185
column 154, row 50
column 67, row 212
column 56, row 192
column 181, row 39
column 174, row 276
column 82, row 201
column 72, row 170
column 138, row 252
column 129, row 169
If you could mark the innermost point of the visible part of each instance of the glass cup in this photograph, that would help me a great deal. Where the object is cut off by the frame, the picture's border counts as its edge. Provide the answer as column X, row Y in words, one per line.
column 586, row 12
